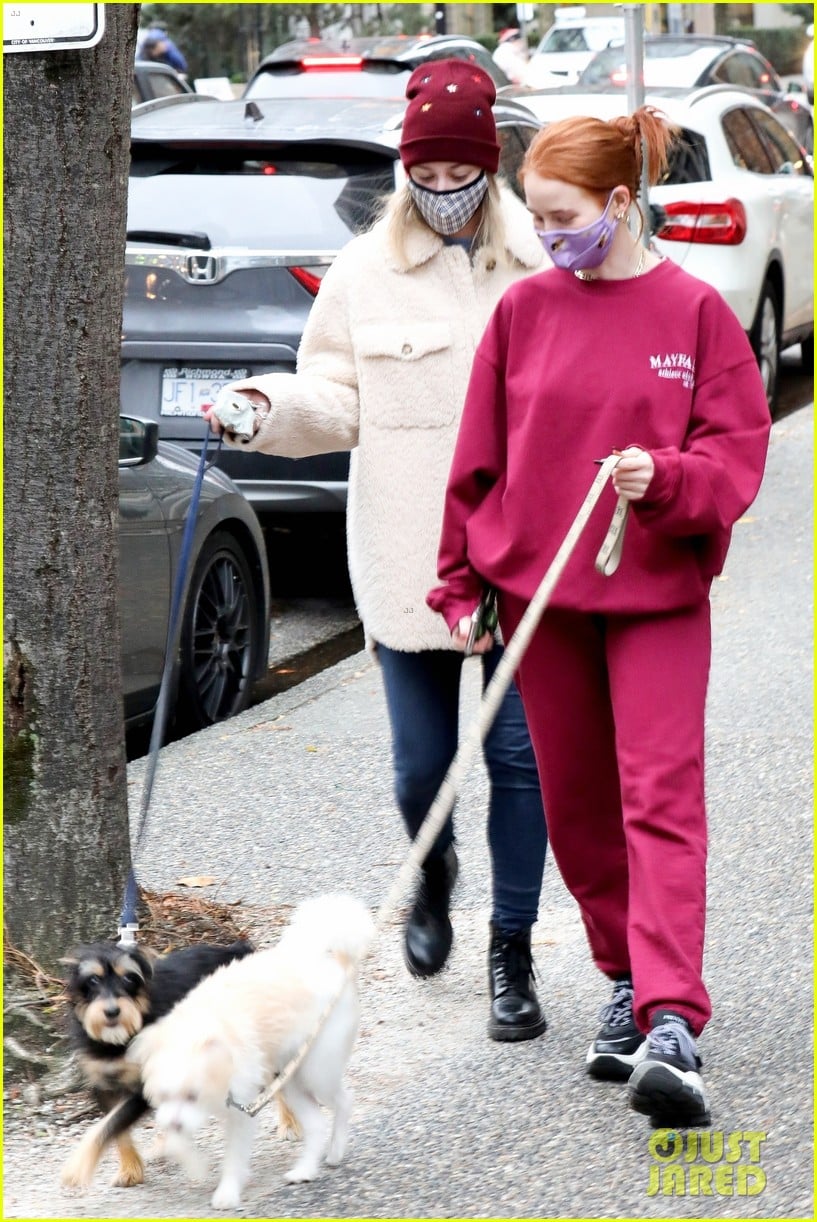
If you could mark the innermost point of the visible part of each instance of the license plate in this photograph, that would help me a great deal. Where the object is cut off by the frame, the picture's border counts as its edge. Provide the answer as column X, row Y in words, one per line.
column 188, row 390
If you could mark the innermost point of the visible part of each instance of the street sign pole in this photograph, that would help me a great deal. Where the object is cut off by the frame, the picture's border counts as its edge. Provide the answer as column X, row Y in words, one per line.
column 634, row 57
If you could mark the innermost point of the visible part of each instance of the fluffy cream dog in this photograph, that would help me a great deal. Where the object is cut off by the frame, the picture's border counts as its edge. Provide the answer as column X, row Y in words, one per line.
column 237, row 1029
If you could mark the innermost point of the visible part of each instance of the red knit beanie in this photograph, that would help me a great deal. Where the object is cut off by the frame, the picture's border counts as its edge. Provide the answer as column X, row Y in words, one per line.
column 449, row 116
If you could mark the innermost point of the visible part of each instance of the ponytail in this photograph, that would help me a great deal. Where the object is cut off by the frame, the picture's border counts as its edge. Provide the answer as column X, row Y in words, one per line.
column 597, row 155
column 647, row 130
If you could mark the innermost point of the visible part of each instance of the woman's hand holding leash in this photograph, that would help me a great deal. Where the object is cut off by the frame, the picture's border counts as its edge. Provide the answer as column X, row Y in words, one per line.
column 237, row 412
column 632, row 476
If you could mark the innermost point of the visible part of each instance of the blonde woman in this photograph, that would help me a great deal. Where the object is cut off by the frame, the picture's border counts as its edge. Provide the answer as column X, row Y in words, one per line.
column 382, row 371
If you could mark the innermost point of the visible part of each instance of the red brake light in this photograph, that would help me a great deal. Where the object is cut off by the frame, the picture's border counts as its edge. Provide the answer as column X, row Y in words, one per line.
column 308, row 278
column 325, row 63
column 721, row 224
column 619, row 76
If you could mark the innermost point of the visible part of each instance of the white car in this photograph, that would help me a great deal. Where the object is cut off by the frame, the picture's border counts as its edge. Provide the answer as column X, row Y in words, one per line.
column 736, row 209
column 569, row 45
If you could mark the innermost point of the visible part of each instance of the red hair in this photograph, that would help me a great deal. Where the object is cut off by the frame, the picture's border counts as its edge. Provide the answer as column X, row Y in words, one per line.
column 598, row 155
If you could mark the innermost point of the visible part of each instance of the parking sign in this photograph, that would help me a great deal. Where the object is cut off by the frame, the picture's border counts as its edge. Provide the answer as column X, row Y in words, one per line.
column 52, row 27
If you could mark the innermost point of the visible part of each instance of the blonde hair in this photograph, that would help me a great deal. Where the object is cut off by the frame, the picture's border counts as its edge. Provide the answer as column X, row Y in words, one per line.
column 401, row 217
column 598, row 155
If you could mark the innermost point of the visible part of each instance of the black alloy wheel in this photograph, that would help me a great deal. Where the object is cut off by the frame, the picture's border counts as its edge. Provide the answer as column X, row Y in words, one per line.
column 220, row 636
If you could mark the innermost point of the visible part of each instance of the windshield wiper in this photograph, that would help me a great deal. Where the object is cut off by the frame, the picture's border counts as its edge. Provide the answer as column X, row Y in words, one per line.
column 161, row 237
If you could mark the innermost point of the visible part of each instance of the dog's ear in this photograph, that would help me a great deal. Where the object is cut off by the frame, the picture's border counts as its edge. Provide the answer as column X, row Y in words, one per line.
column 145, row 959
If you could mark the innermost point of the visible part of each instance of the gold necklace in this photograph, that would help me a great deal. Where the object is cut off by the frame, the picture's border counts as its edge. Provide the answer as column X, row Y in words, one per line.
column 583, row 275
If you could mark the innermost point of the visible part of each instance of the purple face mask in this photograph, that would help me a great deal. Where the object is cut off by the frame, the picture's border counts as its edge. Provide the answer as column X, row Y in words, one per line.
column 576, row 249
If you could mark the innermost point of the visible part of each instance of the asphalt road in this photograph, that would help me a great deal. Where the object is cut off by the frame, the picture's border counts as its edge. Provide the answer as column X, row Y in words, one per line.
column 294, row 797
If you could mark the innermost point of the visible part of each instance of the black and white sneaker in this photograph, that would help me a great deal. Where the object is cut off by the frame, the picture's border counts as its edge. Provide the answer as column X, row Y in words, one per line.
column 619, row 1046
column 667, row 1086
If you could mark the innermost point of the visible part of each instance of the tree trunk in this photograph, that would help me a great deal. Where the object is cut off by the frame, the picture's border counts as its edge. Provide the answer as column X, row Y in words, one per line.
column 66, row 137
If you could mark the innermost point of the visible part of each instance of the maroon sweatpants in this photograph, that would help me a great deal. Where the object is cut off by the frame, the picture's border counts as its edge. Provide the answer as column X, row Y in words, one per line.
column 615, row 707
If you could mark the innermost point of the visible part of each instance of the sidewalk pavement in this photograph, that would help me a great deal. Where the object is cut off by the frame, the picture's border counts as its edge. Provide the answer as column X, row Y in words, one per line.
column 294, row 798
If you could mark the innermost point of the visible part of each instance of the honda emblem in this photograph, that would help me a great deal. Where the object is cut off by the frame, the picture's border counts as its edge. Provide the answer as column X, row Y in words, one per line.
column 202, row 269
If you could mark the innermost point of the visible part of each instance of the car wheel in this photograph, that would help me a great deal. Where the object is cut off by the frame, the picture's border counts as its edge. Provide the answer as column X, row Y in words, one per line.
column 220, row 636
column 807, row 354
column 765, row 340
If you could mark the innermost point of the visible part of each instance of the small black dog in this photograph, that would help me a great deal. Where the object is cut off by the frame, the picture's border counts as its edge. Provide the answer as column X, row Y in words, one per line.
column 114, row 992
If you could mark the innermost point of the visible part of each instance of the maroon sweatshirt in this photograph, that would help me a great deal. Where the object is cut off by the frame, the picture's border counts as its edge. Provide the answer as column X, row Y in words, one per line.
column 566, row 372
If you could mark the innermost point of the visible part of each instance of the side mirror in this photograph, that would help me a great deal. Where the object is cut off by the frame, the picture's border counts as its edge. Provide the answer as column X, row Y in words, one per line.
column 138, row 441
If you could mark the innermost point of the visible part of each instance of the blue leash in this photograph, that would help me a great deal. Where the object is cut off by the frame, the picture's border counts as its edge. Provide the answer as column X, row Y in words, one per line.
column 128, row 925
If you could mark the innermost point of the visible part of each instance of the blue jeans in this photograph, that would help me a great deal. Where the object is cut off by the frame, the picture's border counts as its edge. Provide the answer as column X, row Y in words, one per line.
column 422, row 695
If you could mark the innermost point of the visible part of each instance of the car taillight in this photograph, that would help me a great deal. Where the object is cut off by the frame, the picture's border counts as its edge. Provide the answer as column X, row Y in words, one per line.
column 309, row 278
column 325, row 63
column 713, row 224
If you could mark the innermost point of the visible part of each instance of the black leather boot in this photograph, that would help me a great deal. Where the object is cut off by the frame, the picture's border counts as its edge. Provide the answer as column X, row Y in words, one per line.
column 428, row 929
column 515, row 1011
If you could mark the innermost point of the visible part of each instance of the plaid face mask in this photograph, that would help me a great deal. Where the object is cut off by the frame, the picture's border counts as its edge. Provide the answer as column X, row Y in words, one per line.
column 447, row 211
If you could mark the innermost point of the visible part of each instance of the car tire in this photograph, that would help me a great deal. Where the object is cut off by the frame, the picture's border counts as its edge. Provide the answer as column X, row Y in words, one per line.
column 807, row 354
column 765, row 340
column 220, row 636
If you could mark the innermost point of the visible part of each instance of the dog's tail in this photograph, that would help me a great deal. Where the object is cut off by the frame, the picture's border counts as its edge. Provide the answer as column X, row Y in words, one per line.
column 335, row 924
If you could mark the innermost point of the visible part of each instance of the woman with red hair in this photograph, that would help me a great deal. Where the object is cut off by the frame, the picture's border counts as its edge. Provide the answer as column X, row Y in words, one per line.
column 613, row 349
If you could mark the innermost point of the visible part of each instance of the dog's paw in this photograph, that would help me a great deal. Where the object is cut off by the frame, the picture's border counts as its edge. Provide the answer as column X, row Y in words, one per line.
column 227, row 1195
column 128, row 1178
column 76, row 1172
column 70, row 1177
column 301, row 1173
column 288, row 1127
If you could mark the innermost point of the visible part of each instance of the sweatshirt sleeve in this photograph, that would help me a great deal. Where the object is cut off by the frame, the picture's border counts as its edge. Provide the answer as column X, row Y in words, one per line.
column 703, row 487
column 316, row 411
column 478, row 463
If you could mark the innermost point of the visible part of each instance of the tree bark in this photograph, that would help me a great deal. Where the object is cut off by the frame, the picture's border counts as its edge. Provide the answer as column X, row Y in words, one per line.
column 66, row 144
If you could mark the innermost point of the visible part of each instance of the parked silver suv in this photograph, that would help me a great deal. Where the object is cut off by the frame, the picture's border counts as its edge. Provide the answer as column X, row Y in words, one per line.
column 235, row 211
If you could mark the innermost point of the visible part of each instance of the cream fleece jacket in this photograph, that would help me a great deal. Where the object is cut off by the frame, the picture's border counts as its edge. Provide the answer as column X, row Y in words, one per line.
column 382, row 370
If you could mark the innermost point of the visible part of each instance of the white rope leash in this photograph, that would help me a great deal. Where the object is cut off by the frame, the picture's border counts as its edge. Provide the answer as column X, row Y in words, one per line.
column 606, row 563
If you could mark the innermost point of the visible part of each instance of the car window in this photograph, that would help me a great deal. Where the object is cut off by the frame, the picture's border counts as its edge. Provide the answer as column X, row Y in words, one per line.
column 785, row 153
column 471, row 55
column 287, row 196
column 739, row 69
column 292, row 82
column 513, row 143
column 746, row 147
column 160, row 85
column 561, row 40
column 688, row 160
